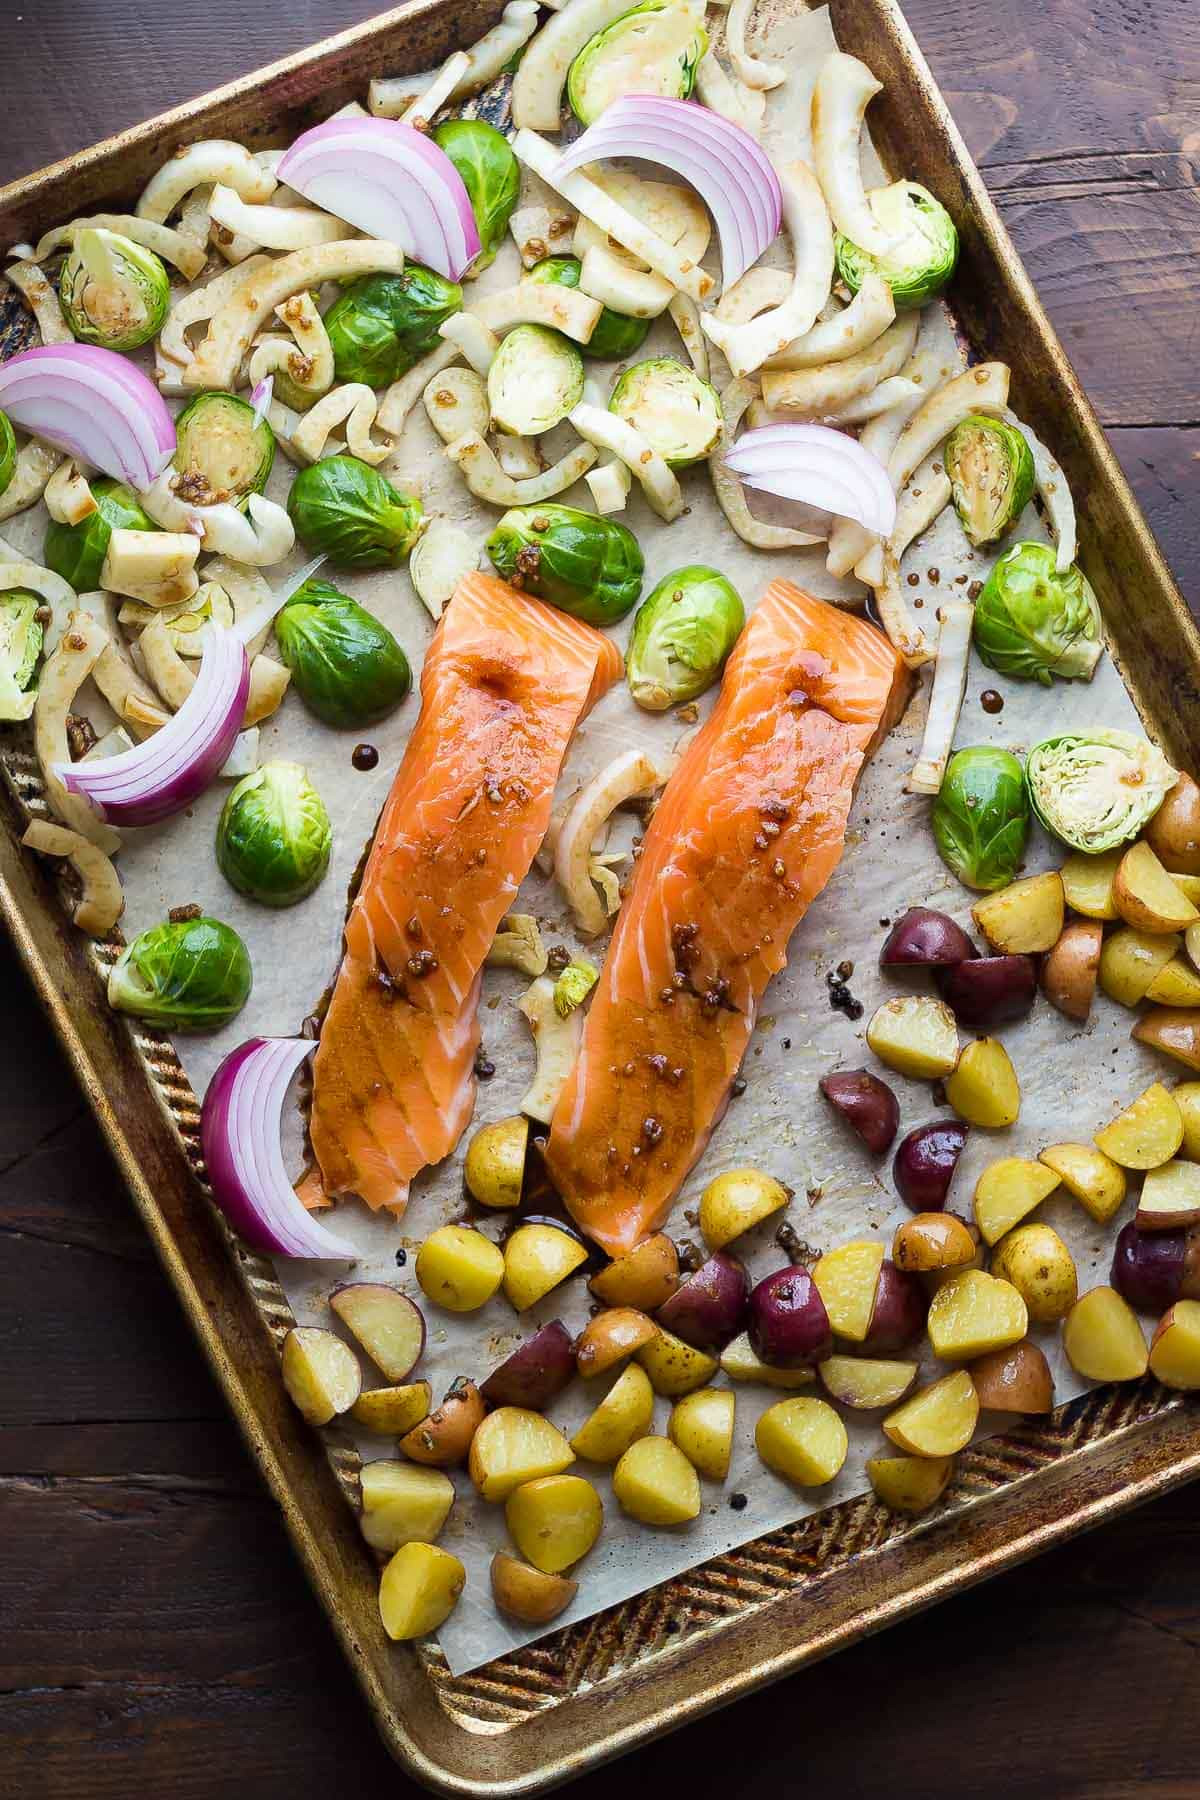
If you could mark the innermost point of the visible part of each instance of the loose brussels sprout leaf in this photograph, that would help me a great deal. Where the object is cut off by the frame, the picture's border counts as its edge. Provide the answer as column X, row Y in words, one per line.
column 1097, row 790
column 992, row 476
column 8, row 451
column 923, row 259
column 114, row 292
column 274, row 835
column 193, row 975
column 1033, row 623
column 981, row 817
column 345, row 509
column 654, row 49
column 589, row 566
column 681, row 636
column 491, row 175
column 614, row 335
column 536, row 377
column 574, row 985
column 77, row 552
column 347, row 666
column 383, row 324
column 221, row 451
column 677, row 413
column 21, row 636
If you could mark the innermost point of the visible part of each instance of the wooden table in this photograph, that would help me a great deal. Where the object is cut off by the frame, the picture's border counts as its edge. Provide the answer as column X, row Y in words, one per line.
column 157, row 1636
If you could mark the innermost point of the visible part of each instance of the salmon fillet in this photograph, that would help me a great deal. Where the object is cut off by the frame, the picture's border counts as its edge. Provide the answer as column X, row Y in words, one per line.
column 506, row 681
column 750, row 828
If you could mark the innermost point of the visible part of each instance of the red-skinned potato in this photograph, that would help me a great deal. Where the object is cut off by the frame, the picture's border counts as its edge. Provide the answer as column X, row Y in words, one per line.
column 1174, row 831
column 898, row 1316
column 1170, row 1197
column 444, row 1438
column 923, row 938
column 867, row 1105
column 1175, row 1347
column 644, row 1279
column 709, row 1308
column 989, row 990
column 1070, row 970
column 788, row 1325
column 388, row 1325
column 924, row 1164
column 537, row 1371
column 1016, row 1379
column 1154, row 1269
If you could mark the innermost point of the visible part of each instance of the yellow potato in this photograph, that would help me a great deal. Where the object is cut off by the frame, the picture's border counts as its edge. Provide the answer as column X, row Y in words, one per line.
column 973, row 1313
column 673, row 1366
column 1088, row 883
column 736, row 1201
column 1170, row 1196
column 536, row 1259
column 1008, row 1190
column 915, row 1036
column 403, row 1504
column 1176, row 984
column 1034, row 1259
column 554, row 1521
column 458, row 1268
column 513, row 1446
column 1145, row 895
column 494, row 1170
column 320, row 1372
column 526, row 1594
column 1189, row 887
column 1147, row 1133
column 910, row 1484
column 938, row 1420
column 1129, row 961
column 656, row 1484
column 1015, row 1379
column 1092, row 1178
column 984, row 1088
column 383, row 1322
column 444, row 1436
column 418, row 1590
column 623, row 1416
column 1173, row 1030
column 933, row 1241
column 1175, row 1346
column 803, row 1440
column 392, row 1410
column 1023, row 918
column 610, row 1337
column 1102, row 1337
column 1174, row 831
column 864, row 1382
column 739, row 1362
column 644, row 1279
column 702, row 1427
column 1187, row 1098
column 846, row 1279
column 1191, row 939
column 1069, row 971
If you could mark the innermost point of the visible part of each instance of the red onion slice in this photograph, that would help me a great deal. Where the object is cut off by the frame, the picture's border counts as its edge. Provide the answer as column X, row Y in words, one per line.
column 240, row 1133
column 819, row 466
column 93, row 404
column 261, row 395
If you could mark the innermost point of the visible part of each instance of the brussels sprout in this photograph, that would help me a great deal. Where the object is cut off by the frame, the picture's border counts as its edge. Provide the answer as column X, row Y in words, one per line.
column 221, row 451
column 185, row 975
column 992, row 476
column 923, row 259
column 345, row 508
column 1097, row 789
column 681, row 636
column 675, row 411
column 114, row 292
column 591, row 567
column 347, row 666
column 21, row 637
column 981, row 817
column 8, row 451
column 491, row 175
column 574, row 985
column 654, row 49
column 535, row 379
column 274, row 835
column 1033, row 623
column 383, row 324
column 615, row 335
column 77, row 552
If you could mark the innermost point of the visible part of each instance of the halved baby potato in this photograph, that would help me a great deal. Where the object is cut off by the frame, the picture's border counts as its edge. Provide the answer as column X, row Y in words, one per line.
column 932, row 1242
column 512, row 1446
column 973, row 1313
column 1007, row 1191
column 494, row 1169
column 864, row 1382
column 387, row 1324
column 915, row 1035
column 1187, row 1098
column 459, row 1268
column 1170, row 1196
column 444, row 1437
column 1174, row 831
column 740, row 1363
column 909, row 1484
column 1176, row 984
column 737, row 1201
column 1145, row 895
column 1088, row 883
column 1129, row 962
column 675, row 1367
column 984, row 1088
column 1024, row 917
column 702, row 1427
column 938, row 1420
column 403, row 1504
column 392, row 1410
column 611, row 1337
column 418, row 1590
column 846, row 1279
column 1090, row 1177
column 1016, row 1379
column 554, row 1521
column 1146, row 1134
column 1191, row 939
column 803, row 1440
column 1035, row 1261
column 1174, row 1030
column 1102, row 1338
column 1175, row 1346
column 643, row 1279
column 1068, row 977
column 527, row 1594
column 320, row 1372
column 656, row 1484
column 536, row 1258
column 624, row 1415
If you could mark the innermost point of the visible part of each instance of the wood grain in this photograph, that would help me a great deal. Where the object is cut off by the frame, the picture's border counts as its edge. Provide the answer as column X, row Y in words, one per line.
column 158, row 1638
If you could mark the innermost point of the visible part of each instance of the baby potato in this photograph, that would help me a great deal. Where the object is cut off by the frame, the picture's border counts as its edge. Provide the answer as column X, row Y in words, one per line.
column 1175, row 985
column 1069, row 972
column 554, row 1521
column 459, row 1268
column 909, row 1484
column 1170, row 1197
column 736, row 1201
column 1090, row 1177
column 610, row 1337
column 512, row 1446
column 418, row 1590
column 536, row 1258
column 1187, row 1098
column 643, row 1279
column 1102, row 1337
column 702, row 1427
column 932, row 1242
column 846, row 1279
column 984, row 1089
column 1008, row 1190
column 938, row 1420
column 1024, row 917
column 444, row 1437
column 803, row 1440
column 1174, row 831
column 974, row 1312
column 1088, row 883
column 656, row 1484
column 864, row 1382
column 403, row 1504
column 1174, row 1030
column 392, row 1410
column 623, row 1416
column 1129, row 961
column 385, row 1322
column 1146, row 1134
column 527, row 1594
column 1146, row 897
column 915, row 1036
column 494, row 1170
column 675, row 1367
column 1034, row 1259
column 1175, row 1346
column 741, row 1363
column 1016, row 1379
column 320, row 1372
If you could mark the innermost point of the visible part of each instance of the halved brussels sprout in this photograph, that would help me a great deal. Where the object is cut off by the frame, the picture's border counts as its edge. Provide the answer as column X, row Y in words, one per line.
column 677, row 413
column 114, row 292
column 654, row 49
column 1096, row 790
column 274, row 835
column 346, row 509
column 1033, row 623
column 21, row 636
column 491, row 175
column 923, row 259
column 681, row 636
column 222, row 452
column 981, row 817
column 8, row 451
column 615, row 335
column 590, row 566
column 77, row 552
column 535, row 379
column 347, row 666
column 992, row 476
column 185, row 975
column 383, row 324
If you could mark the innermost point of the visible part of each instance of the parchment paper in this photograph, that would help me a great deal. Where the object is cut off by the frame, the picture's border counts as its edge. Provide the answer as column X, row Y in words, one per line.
column 1072, row 1080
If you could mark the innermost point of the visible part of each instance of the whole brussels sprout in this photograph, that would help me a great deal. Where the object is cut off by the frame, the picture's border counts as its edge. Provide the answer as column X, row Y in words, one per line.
column 114, row 292
column 491, row 175
column 676, row 412
column 1033, row 623
column 535, row 379
column 346, row 509
column 274, row 835
column 615, row 335
column 684, row 630
column 655, row 48
column 21, row 637
column 8, row 451
column 924, row 256
column 347, row 666
column 185, row 975
column 992, row 476
column 1096, row 790
column 981, row 817
column 589, row 566
column 222, row 452
column 383, row 324
column 77, row 552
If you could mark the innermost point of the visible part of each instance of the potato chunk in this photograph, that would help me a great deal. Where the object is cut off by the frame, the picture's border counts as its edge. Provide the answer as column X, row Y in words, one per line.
column 1129, row 961
column 643, row 1279
column 494, row 1169
column 611, row 1337
column 1016, row 1379
column 1170, row 1196
column 513, row 1446
column 933, row 1241
column 320, row 1373
column 1068, row 977
column 1102, row 1337
column 736, row 1201
column 1187, row 1098
column 418, row 1590
column 1176, row 984
column 846, row 1279
column 803, row 1440
column 1175, row 1346
column 444, row 1436
column 527, row 1594
column 909, row 1484
column 1024, row 917
column 458, row 1268
column 1146, row 897
column 740, row 1363
column 1174, row 1030
column 674, row 1367
column 702, row 1427
column 554, row 1521
column 1090, row 1177
column 1146, row 1134
column 973, row 1313
column 403, row 1504
column 536, row 1258
column 915, row 1036
column 938, row 1420
column 385, row 1322
column 1034, row 1259
column 863, row 1382
column 1088, row 883
column 983, row 1088
column 656, row 1484
column 1008, row 1190
column 392, row 1410
column 623, row 1416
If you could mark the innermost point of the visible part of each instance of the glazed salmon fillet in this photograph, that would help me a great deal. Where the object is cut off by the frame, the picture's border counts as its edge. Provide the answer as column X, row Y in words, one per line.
column 506, row 681
column 750, row 828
